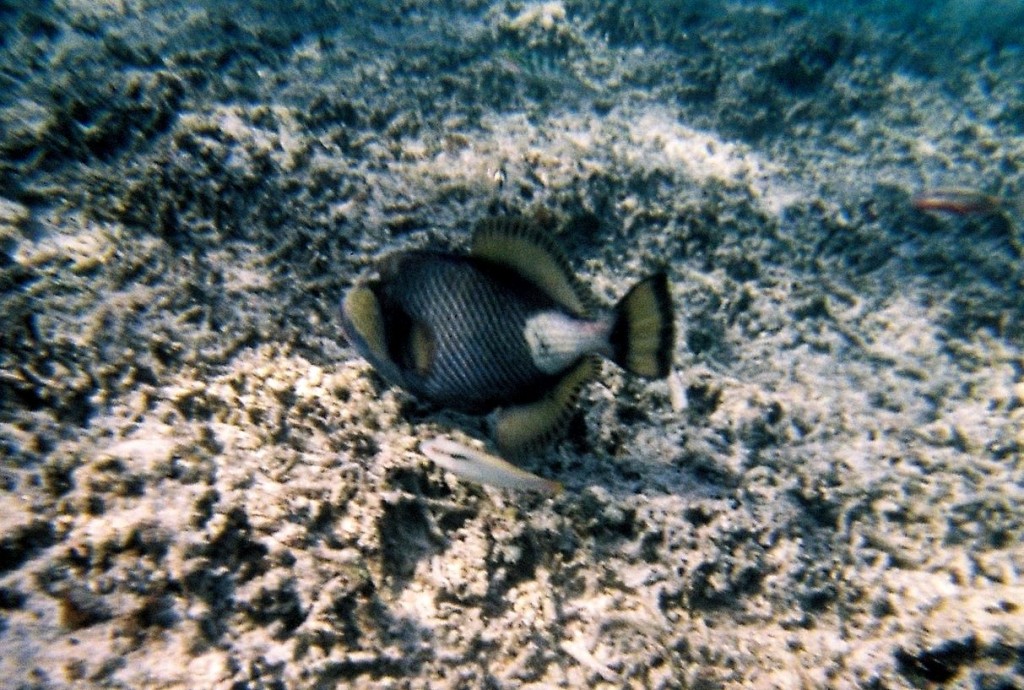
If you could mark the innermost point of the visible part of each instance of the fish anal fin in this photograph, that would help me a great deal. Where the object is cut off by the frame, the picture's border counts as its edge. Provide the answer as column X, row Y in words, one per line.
column 525, row 427
column 532, row 253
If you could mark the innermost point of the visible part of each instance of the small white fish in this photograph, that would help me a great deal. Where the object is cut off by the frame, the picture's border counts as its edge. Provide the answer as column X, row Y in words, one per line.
column 960, row 201
column 577, row 649
column 484, row 468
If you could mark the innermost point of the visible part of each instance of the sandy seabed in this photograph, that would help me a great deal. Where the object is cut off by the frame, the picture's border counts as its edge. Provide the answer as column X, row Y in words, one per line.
column 204, row 487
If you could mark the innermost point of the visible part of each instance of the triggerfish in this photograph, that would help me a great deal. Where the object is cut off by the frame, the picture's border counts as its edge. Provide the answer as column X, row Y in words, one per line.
column 506, row 328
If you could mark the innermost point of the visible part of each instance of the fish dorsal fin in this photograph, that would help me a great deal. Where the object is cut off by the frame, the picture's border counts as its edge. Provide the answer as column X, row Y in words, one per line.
column 532, row 253
column 524, row 427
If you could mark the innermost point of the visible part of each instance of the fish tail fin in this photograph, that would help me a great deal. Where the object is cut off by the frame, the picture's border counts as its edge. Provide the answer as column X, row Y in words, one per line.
column 643, row 331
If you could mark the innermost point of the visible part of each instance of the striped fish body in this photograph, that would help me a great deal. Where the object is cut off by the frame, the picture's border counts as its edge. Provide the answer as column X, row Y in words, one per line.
column 455, row 329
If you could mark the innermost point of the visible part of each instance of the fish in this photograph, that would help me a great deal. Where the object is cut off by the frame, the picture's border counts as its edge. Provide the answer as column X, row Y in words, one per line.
column 506, row 329
column 484, row 468
column 961, row 201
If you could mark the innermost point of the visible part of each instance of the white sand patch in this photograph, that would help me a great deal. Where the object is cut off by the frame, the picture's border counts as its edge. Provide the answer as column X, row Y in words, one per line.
column 566, row 146
column 544, row 15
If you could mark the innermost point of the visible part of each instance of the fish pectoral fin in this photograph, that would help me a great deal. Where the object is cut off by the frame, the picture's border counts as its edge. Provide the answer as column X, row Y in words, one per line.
column 532, row 253
column 421, row 348
column 523, row 427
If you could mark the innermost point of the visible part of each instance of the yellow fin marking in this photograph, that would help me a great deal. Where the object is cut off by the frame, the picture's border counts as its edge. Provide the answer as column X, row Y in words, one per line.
column 363, row 310
column 523, row 427
column 532, row 253
column 644, row 333
column 421, row 343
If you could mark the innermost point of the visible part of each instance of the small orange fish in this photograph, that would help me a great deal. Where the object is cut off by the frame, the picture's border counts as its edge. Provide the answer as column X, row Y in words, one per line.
column 959, row 200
